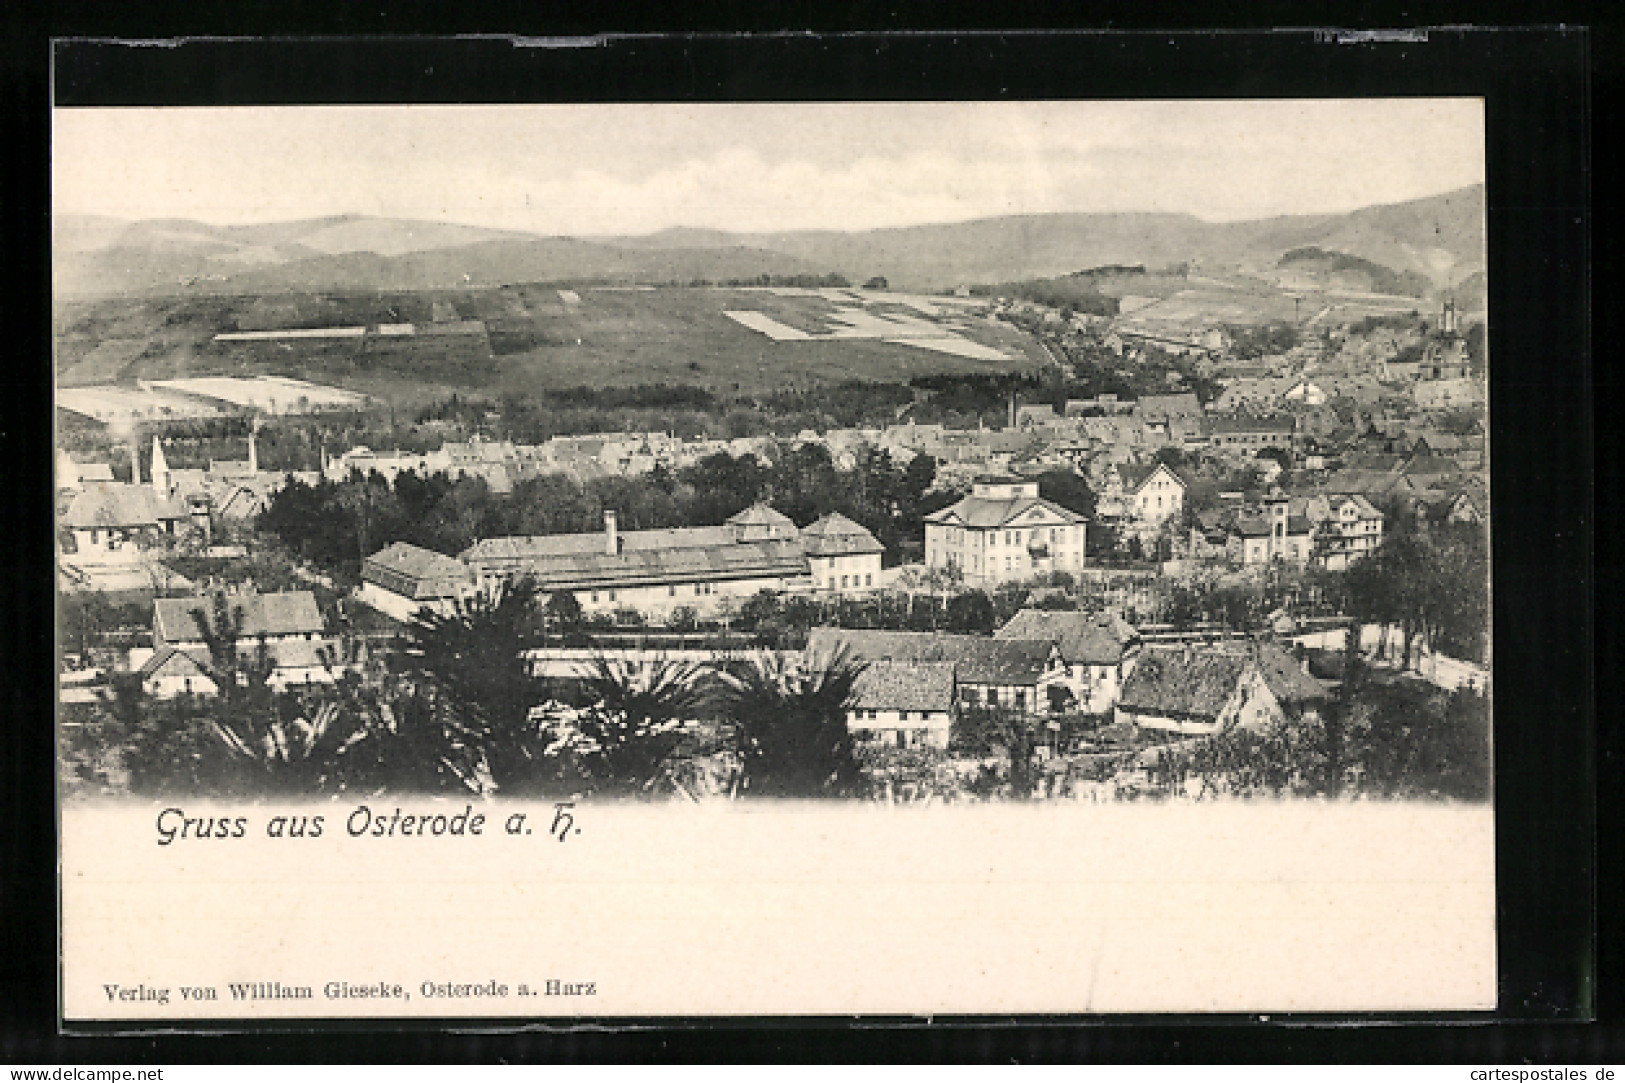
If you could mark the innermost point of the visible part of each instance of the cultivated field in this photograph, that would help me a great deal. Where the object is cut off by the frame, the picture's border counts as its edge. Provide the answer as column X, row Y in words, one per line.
column 535, row 337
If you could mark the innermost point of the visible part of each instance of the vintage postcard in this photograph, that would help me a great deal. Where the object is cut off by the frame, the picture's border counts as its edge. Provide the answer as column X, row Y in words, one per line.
column 897, row 559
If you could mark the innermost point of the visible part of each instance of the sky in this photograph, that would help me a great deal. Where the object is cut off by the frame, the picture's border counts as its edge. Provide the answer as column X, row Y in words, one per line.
column 603, row 169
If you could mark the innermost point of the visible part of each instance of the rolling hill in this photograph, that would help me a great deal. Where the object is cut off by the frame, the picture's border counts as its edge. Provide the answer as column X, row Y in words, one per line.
column 1440, row 238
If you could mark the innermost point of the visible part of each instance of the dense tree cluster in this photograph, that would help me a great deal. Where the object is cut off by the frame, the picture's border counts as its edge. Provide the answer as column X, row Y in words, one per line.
column 336, row 525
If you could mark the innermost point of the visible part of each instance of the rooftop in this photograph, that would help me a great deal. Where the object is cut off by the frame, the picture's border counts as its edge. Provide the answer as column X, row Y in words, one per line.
column 836, row 535
column 978, row 659
column 291, row 612
column 1083, row 638
column 904, row 686
column 110, row 504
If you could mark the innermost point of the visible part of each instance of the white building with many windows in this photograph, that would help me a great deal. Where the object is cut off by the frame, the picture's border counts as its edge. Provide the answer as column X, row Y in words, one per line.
column 1004, row 532
column 841, row 554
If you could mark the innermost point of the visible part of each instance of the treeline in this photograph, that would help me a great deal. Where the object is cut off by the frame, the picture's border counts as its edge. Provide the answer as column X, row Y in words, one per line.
column 1250, row 342
column 1070, row 295
column 336, row 525
column 1383, row 279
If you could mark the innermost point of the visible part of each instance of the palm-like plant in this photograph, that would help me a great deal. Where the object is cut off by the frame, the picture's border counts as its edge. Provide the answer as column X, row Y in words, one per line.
column 473, row 666
column 790, row 725
column 297, row 757
column 623, row 741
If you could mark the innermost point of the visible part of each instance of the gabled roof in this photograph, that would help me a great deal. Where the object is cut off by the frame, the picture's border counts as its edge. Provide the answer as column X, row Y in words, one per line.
column 904, row 686
column 836, row 535
column 1363, row 507
column 170, row 661
column 1082, row 638
column 978, row 660
column 290, row 612
column 109, row 504
column 1135, row 477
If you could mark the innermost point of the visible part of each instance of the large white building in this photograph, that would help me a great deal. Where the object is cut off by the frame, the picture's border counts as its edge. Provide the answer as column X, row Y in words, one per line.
column 1004, row 532
column 841, row 554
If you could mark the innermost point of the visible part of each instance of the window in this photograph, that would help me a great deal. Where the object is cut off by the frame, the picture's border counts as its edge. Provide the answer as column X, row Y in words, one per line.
column 844, row 580
column 612, row 595
column 1021, row 697
column 992, row 697
column 671, row 591
column 869, row 580
column 595, row 596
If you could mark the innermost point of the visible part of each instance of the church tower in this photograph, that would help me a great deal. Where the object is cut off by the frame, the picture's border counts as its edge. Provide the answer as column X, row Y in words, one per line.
column 160, row 469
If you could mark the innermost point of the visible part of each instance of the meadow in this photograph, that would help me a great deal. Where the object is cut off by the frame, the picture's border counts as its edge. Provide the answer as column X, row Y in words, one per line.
column 535, row 340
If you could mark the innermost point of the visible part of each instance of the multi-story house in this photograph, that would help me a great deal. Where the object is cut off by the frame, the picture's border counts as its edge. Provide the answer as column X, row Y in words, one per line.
column 1269, row 535
column 1152, row 494
column 1097, row 649
column 1347, row 527
column 841, row 555
column 1004, row 532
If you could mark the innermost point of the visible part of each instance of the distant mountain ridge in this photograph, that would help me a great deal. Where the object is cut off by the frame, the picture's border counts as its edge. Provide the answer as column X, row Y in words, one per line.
column 1440, row 238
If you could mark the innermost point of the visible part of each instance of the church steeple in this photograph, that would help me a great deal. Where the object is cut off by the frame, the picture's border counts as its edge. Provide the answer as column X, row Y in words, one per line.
column 160, row 468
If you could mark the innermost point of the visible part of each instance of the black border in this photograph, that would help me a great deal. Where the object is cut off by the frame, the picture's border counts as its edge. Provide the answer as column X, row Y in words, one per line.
column 1536, row 85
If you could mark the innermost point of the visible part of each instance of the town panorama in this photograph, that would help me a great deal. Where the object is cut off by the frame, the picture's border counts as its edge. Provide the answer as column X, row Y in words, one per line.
column 979, row 511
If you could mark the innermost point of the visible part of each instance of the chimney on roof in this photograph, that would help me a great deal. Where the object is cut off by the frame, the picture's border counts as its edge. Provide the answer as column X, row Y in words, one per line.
column 612, row 537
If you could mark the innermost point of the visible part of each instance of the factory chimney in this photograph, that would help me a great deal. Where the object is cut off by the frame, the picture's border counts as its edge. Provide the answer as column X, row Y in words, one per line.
column 612, row 537
column 253, row 449
column 135, row 460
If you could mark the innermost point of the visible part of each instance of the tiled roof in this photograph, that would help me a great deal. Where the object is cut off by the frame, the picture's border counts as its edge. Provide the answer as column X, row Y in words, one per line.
column 291, row 612
column 1242, row 423
column 1182, row 681
column 836, row 535
column 1086, row 638
column 109, row 504
column 413, row 572
column 978, row 659
column 761, row 515
column 1285, row 677
column 1170, row 405
column 648, row 567
column 904, row 686
column 537, row 546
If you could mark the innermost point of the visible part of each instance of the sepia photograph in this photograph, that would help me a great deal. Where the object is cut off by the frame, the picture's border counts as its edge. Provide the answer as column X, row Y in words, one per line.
column 794, row 558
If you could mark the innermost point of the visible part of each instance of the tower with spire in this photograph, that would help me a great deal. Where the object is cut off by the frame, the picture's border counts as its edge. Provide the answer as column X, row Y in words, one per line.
column 162, row 483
